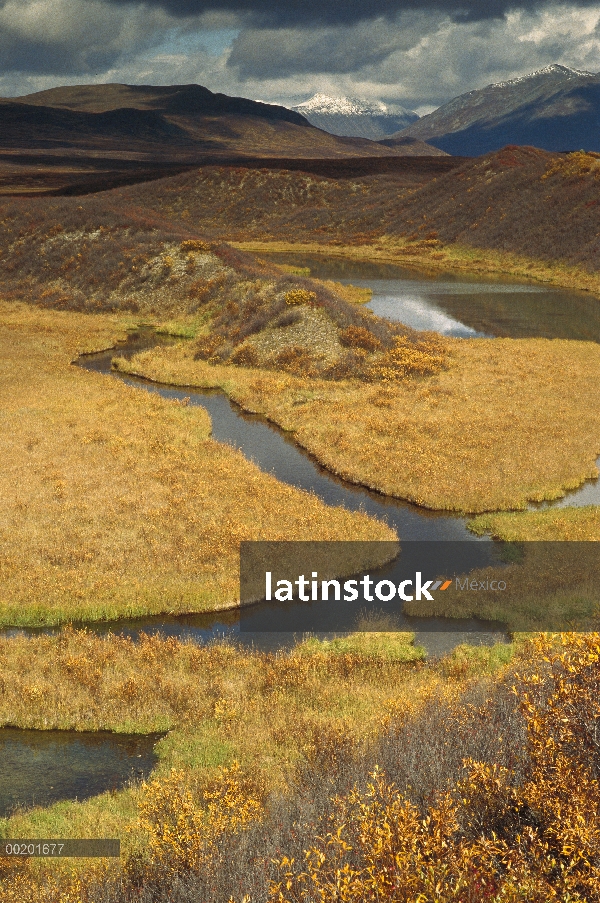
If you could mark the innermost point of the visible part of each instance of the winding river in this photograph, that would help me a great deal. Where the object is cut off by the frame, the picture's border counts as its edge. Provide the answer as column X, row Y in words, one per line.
column 40, row 767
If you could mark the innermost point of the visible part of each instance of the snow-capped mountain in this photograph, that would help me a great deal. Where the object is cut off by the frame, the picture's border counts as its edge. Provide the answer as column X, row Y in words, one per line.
column 355, row 117
column 555, row 108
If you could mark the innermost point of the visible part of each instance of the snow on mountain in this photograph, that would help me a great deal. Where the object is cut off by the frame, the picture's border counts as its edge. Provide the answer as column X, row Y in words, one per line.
column 555, row 108
column 355, row 116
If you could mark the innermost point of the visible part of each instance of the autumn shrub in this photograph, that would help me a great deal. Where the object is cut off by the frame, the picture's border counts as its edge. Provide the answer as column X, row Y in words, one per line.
column 294, row 359
column 359, row 337
column 184, row 828
column 497, row 832
column 245, row 356
column 206, row 346
column 422, row 356
column 300, row 296
column 195, row 244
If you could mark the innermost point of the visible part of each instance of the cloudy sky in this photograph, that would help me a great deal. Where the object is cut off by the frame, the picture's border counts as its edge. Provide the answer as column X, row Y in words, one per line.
column 418, row 53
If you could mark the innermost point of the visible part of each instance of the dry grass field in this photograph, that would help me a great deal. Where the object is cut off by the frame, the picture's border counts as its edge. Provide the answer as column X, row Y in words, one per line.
column 118, row 503
column 505, row 422
column 566, row 524
column 218, row 703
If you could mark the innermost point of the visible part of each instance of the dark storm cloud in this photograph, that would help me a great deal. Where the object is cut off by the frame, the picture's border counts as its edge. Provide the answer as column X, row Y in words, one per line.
column 343, row 12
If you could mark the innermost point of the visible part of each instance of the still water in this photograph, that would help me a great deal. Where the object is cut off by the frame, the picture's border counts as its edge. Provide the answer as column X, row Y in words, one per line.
column 456, row 305
column 42, row 767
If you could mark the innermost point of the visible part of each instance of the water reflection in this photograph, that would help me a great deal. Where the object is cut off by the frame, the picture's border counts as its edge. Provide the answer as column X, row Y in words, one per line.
column 461, row 306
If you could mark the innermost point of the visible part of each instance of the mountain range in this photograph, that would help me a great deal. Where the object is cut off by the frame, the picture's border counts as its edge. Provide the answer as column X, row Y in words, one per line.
column 556, row 109
column 355, row 117
column 179, row 121
column 89, row 137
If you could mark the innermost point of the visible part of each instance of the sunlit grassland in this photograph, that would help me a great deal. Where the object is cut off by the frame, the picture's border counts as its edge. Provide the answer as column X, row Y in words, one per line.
column 116, row 502
column 433, row 256
column 218, row 703
column 508, row 420
column 467, row 779
column 569, row 524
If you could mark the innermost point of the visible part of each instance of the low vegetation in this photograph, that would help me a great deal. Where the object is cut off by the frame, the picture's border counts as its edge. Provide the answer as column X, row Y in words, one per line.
column 349, row 768
column 505, row 422
column 560, row 524
column 519, row 210
column 218, row 704
column 477, row 779
column 128, row 506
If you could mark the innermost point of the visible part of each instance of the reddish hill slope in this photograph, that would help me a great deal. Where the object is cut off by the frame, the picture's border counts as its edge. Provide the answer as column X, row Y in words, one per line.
column 519, row 199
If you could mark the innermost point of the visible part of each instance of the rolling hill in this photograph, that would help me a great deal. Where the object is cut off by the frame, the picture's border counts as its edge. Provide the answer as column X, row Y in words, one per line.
column 77, row 138
column 520, row 200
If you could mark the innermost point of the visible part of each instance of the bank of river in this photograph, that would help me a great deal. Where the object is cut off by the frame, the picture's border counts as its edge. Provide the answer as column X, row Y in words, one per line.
column 41, row 767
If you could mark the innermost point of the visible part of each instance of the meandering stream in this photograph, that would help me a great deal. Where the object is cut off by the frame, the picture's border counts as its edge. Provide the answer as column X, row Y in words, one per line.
column 40, row 767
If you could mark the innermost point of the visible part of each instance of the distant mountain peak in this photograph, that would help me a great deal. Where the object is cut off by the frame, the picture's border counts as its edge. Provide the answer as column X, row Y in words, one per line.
column 341, row 106
column 552, row 69
column 355, row 116
column 555, row 108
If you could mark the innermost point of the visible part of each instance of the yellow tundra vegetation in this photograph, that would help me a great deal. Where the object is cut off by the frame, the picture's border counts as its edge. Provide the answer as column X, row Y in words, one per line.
column 481, row 789
column 566, row 524
column 116, row 502
column 505, row 422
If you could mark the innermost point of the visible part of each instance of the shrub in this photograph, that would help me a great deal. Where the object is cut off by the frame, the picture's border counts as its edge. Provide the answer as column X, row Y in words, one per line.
column 195, row 245
column 359, row 337
column 294, row 359
column 300, row 296
column 245, row 356
column 206, row 346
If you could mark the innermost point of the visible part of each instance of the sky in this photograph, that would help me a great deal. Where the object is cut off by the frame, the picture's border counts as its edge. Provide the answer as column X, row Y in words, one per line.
column 416, row 53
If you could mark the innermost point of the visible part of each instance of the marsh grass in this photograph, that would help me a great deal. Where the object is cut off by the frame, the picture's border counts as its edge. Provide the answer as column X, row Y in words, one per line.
column 218, row 703
column 577, row 524
column 481, row 785
column 508, row 421
column 116, row 502
column 277, row 735
column 551, row 586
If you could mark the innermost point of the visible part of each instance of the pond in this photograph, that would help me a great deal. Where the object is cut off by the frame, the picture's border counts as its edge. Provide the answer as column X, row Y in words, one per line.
column 43, row 767
column 461, row 306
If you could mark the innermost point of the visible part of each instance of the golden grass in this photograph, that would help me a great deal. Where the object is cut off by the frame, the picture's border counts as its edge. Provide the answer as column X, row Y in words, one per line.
column 568, row 524
column 432, row 256
column 116, row 502
column 508, row 421
column 355, row 294
column 552, row 587
column 219, row 703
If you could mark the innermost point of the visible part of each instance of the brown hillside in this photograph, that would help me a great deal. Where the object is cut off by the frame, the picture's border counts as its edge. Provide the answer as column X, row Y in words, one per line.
column 97, row 255
column 338, row 200
column 519, row 199
column 412, row 147
column 91, row 137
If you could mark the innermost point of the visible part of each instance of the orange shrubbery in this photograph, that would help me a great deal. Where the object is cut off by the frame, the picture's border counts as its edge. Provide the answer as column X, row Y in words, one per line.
column 397, row 816
column 494, row 835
